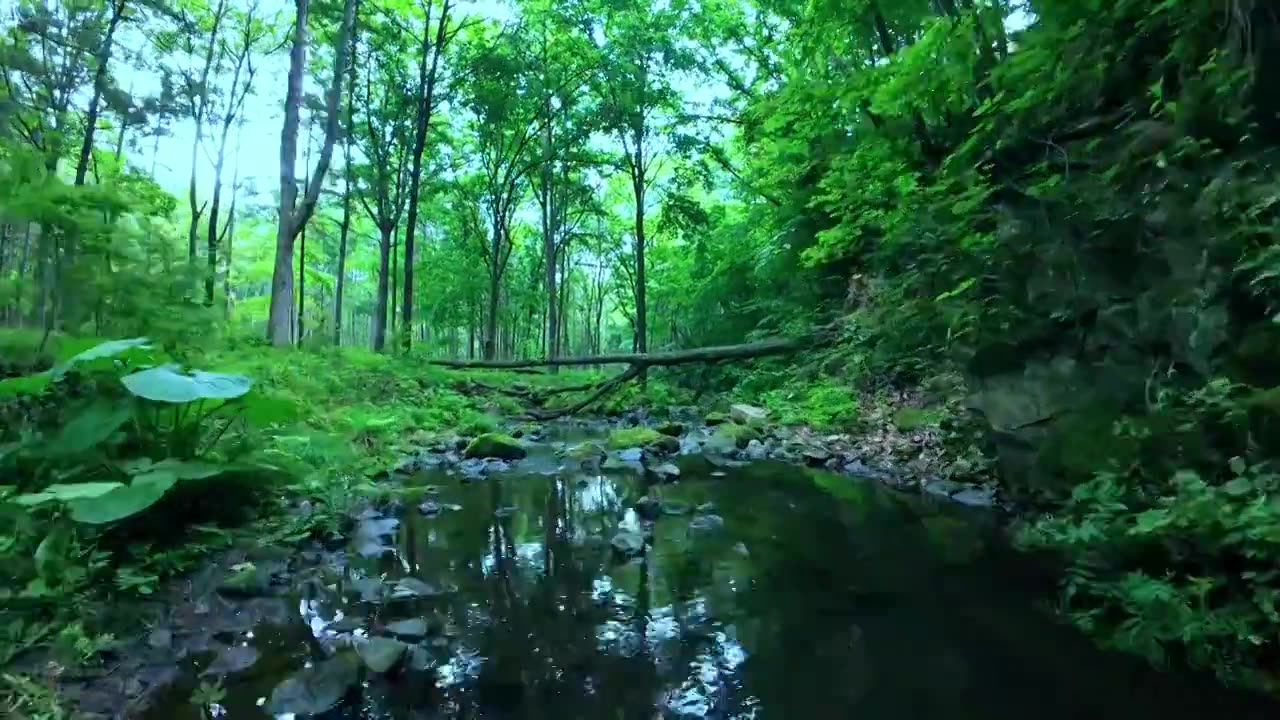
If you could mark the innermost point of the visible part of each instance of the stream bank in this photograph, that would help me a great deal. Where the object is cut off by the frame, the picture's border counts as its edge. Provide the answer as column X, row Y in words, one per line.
column 706, row 580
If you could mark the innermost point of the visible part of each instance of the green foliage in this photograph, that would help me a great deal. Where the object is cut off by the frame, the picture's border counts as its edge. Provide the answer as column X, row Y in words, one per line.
column 821, row 403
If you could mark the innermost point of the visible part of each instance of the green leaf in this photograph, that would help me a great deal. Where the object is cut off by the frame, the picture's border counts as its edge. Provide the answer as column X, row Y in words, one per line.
column 89, row 428
column 1238, row 486
column 125, row 501
column 69, row 492
column 169, row 384
column 105, row 350
column 51, row 553
column 189, row 470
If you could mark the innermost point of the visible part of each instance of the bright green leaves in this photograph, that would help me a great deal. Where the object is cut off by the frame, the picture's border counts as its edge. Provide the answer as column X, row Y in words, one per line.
column 169, row 384
column 144, row 491
column 68, row 493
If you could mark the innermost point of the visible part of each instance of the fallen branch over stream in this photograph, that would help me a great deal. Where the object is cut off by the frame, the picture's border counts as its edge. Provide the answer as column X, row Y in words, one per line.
column 638, row 363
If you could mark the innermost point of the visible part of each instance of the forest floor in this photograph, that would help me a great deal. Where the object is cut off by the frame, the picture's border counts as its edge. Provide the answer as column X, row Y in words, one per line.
column 354, row 419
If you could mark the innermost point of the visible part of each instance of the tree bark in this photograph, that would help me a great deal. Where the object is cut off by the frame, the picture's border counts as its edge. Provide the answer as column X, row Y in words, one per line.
column 426, row 104
column 380, row 309
column 99, row 89
column 291, row 219
column 345, row 227
column 234, row 106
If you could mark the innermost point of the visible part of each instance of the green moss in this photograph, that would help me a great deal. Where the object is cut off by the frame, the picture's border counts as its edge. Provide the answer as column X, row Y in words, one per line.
column 740, row 435
column 715, row 417
column 495, row 445
column 639, row 437
column 909, row 418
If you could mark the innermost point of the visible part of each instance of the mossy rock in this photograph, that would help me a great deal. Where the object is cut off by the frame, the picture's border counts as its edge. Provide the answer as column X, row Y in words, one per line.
column 584, row 452
column 715, row 417
column 495, row 445
column 740, row 435
column 671, row 428
column 246, row 581
column 642, row 437
column 744, row 414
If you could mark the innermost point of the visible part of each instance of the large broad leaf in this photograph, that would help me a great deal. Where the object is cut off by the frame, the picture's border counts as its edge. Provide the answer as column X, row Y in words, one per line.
column 189, row 470
column 145, row 491
column 105, row 350
column 169, row 384
column 27, row 385
column 93, row 426
column 69, row 492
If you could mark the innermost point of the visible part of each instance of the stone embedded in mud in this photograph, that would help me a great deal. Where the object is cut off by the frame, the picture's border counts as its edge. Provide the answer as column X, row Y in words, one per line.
column 317, row 689
column 628, row 543
column 380, row 654
column 411, row 629
column 495, row 445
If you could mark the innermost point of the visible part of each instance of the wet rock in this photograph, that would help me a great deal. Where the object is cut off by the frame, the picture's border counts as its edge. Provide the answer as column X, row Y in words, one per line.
column 371, row 590
column 472, row 469
column 671, row 428
column 748, row 414
column 380, row 654
column 430, row 508
column 246, row 581
column 666, row 471
column 420, row 659
column 316, row 689
column 585, row 453
column 495, row 445
column 815, row 457
column 631, row 455
column 411, row 587
column 160, row 638
column 348, row 623
column 707, row 507
column 975, row 497
column 943, row 488
column 716, row 418
column 676, row 508
column 233, row 659
column 648, row 508
column 628, row 543
column 690, row 446
column 706, row 523
column 506, row 511
column 755, row 450
column 411, row 629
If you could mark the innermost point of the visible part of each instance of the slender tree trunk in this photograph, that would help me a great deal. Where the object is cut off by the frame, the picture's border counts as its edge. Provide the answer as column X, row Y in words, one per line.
column 344, row 232
column 200, row 109
column 302, row 254
column 426, row 105
column 491, row 320
column 99, row 89
column 380, row 307
column 292, row 219
column 395, row 277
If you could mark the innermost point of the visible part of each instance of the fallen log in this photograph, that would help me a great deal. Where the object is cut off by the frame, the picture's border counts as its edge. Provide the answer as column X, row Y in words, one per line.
column 637, row 364
column 718, row 353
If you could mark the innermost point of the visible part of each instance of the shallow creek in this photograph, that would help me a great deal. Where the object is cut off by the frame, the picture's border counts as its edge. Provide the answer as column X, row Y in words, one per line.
column 760, row 590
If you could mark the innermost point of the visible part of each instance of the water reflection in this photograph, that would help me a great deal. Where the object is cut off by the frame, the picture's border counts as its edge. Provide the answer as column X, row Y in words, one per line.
column 813, row 597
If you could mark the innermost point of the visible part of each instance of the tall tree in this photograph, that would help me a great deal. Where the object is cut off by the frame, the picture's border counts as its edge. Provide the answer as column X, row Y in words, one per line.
column 293, row 216
column 196, row 91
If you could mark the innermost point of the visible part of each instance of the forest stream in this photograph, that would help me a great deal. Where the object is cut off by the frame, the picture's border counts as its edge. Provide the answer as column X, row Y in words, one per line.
column 555, row 588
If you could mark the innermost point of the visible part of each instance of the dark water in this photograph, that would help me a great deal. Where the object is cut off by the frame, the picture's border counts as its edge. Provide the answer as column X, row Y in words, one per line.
column 821, row 596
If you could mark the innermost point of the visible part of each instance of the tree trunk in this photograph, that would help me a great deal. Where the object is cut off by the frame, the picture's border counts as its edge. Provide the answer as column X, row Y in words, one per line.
column 345, row 228
column 200, row 109
column 491, row 320
column 426, row 104
column 99, row 89
column 395, row 278
column 291, row 219
column 641, row 328
column 380, row 308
